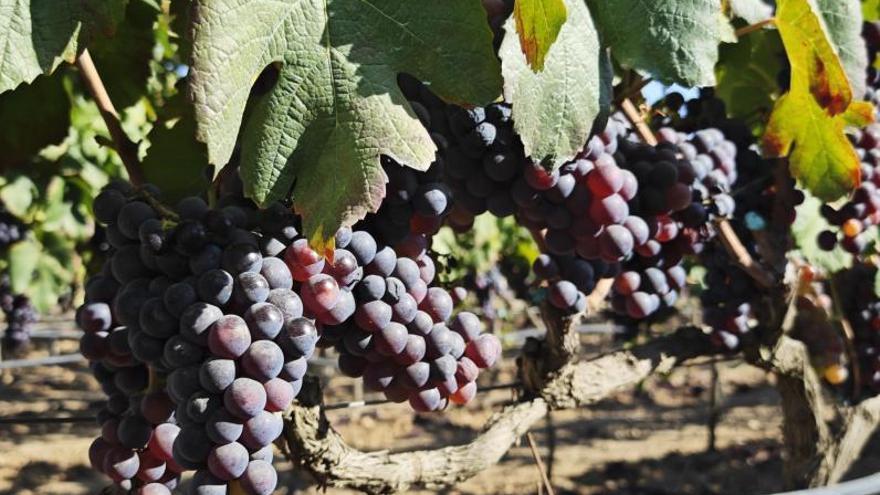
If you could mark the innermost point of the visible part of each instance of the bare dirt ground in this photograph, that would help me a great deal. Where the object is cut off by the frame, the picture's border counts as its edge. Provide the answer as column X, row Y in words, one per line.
column 648, row 441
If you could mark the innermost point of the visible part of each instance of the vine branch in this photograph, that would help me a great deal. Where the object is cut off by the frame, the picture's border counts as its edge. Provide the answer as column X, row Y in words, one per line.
column 316, row 446
column 124, row 146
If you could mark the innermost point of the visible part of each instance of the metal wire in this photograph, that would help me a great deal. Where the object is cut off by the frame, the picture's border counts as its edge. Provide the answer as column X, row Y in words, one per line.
column 44, row 361
column 37, row 420
column 25, row 420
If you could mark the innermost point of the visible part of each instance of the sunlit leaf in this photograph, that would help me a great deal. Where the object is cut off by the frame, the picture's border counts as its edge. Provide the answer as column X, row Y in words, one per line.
column 537, row 24
column 808, row 123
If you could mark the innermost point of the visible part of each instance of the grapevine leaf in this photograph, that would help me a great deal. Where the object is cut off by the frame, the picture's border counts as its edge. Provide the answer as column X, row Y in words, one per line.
column 336, row 105
column 751, row 11
column 843, row 18
column 746, row 74
column 175, row 161
column 673, row 40
column 23, row 257
column 813, row 114
column 877, row 283
column 808, row 224
column 871, row 10
column 124, row 60
column 18, row 195
column 23, row 135
column 37, row 35
column 538, row 23
column 50, row 278
column 554, row 109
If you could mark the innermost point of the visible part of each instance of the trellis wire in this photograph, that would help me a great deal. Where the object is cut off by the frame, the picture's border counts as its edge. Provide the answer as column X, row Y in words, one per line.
column 26, row 420
column 511, row 339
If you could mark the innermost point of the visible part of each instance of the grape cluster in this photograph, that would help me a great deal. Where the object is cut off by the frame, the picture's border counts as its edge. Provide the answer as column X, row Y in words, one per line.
column 727, row 299
column 12, row 229
column 377, row 307
column 756, row 196
column 683, row 183
column 862, row 211
column 20, row 316
column 201, row 322
column 617, row 203
column 195, row 334
column 861, row 306
column 871, row 35
column 485, row 167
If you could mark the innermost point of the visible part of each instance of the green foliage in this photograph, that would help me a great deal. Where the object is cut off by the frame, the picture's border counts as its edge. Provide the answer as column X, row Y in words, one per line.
column 37, row 35
column 23, row 135
column 871, row 10
column 747, row 75
column 336, row 106
column 538, row 23
column 673, row 40
column 805, row 231
column 483, row 247
column 175, row 160
column 123, row 60
column 554, row 109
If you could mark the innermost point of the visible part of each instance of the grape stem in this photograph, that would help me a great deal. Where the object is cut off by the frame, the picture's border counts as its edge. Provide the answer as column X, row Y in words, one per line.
column 124, row 146
column 741, row 255
column 635, row 117
column 157, row 205
column 539, row 464
column 751, row 28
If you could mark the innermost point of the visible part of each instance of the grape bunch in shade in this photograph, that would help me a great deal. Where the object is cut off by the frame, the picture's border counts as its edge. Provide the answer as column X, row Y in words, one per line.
column 20, row 315
column 755, row 191
column 852, row 220
column 727, row 299
column 197, row 337
column 871, row 35
column 861, row 306
column 12, row 229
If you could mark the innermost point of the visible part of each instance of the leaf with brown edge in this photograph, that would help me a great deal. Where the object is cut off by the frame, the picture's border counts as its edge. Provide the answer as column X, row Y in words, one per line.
column 807, row 123
column 538, row 23
column 323, row 244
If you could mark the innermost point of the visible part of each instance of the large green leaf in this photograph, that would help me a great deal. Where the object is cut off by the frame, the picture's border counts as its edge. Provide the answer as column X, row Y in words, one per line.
column 336, row 106
column 554, row 109
column 843, row 18
column 37, row 35
column 175, row 161
column 747, row 74
column 23, row 133
column 673, row 40
column 124, row 59
column 17, row 195
column 22, row 260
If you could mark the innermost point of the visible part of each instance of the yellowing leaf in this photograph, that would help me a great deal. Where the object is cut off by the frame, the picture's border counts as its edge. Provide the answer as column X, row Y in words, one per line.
column 538, row 23
column 808, row 122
